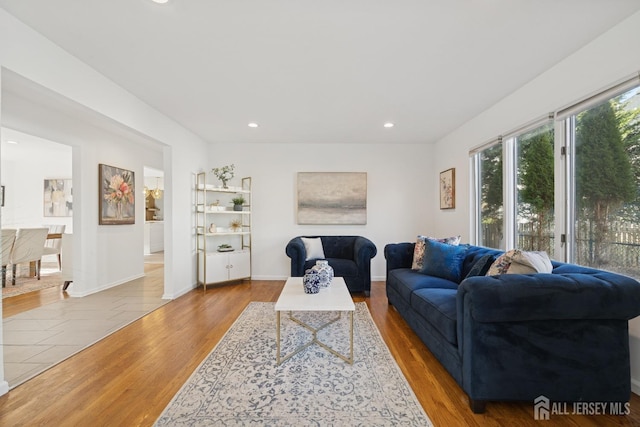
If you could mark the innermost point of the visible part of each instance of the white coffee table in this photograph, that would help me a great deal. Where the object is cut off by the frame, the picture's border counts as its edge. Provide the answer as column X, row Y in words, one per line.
column 335, row 297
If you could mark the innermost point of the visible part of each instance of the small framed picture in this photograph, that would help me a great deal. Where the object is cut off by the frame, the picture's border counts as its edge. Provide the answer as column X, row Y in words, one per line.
column 448, row 189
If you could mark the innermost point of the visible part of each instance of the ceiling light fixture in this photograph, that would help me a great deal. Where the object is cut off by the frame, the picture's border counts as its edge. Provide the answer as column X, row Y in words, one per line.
column 161, row 1
column 388, row 125
column 157, row 193
column 253, row 125
column 12, row 142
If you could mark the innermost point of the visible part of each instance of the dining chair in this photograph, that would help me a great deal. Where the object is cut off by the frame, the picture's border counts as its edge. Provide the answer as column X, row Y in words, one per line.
column 28, row 247
column 8, row 237
column 54, row 241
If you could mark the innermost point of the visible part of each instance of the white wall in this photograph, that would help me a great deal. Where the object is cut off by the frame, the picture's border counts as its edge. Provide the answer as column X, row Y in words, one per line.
column 95, row 103
column 90, row 146
column 399, row 194
column 608, row 59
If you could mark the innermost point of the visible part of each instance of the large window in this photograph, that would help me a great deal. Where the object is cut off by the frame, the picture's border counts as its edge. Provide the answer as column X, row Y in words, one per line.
column 584, row 209
column 490, row 208
column 534, row 189
column 606, row 173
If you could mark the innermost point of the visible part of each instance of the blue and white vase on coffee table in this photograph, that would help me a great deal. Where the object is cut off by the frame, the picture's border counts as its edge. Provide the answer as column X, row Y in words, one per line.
column 325, row 271
column 311, row 281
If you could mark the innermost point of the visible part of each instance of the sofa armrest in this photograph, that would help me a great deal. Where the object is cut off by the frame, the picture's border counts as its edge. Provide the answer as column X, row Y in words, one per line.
column 364, row 250
column 522, row 336
column 526, row 297
column 399, row 255
column 297, row 252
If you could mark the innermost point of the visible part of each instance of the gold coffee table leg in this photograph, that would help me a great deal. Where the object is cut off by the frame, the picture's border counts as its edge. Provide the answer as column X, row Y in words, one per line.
column 314, row 331
column 277, row 337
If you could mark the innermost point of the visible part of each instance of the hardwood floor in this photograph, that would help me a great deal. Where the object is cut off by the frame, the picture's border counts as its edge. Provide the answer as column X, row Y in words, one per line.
column 129, row 377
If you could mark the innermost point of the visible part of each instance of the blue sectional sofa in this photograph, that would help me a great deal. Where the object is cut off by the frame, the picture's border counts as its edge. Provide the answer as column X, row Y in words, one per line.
column 562, row 335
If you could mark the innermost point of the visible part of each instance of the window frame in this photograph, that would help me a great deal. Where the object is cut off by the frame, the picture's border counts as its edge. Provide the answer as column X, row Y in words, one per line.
column 564, row 123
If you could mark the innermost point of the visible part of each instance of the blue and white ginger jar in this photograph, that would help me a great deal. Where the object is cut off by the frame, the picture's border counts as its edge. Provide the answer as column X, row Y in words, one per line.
column 325, row 271
column 311, row 281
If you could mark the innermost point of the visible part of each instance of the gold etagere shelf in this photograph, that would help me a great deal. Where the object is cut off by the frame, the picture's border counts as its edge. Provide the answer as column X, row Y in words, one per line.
column 223, row 233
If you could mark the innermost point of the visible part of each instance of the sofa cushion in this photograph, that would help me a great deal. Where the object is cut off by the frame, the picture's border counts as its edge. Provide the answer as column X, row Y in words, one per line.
column 481, row 266
column 313, row 247
column 474, row 254
column 418, row 250
column 339, row 246
column 341, row 267
column 443, row 260
column 438, row 307
column 404, row 281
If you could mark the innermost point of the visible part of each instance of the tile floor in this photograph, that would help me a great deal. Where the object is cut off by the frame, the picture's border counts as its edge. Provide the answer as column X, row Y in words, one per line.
column 38, row 339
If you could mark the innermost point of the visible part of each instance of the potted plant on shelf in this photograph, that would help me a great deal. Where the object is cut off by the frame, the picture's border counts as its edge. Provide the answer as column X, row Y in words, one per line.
column 237, row 201
column 225, row 247
column 224, row 174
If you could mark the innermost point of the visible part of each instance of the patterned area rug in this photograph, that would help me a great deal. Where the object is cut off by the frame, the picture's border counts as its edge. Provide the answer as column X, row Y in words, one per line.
column 50, row 276
column 239, row 384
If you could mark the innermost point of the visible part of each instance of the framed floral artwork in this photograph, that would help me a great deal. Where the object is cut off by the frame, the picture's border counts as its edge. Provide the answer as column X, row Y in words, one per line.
column 448, row 189
column 117, row 204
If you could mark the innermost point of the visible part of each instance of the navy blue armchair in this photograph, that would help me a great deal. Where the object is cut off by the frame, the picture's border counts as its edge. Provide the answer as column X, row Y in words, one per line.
column 349, row 256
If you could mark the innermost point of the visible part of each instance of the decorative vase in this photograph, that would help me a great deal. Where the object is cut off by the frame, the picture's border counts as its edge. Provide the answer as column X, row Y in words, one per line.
column 212, row 228
column 325, row 271
column 311, row 282
column 119, row 210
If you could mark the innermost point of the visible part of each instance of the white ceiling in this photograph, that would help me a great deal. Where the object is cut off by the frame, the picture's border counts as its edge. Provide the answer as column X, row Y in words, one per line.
column 330, row 71
column 27, row 146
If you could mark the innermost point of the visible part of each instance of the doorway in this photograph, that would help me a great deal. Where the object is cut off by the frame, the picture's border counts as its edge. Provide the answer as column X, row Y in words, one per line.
column 154, row 216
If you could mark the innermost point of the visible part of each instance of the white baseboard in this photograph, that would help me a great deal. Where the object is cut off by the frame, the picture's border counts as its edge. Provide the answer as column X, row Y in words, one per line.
column 635, row 386
column 4, row 387
column 179, row 293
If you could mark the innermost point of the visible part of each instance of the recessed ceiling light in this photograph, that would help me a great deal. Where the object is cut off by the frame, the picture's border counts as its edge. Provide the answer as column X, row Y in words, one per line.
column 253, row 125
column 388, row 125
column 161, row 1
column 12, row 142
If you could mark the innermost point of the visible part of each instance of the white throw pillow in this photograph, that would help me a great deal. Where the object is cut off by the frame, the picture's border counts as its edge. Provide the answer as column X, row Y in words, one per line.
column 313, row 247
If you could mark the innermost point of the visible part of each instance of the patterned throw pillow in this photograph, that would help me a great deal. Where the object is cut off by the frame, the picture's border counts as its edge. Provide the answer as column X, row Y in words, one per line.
column 418, row 251
column 502, row 264
column 444, row 260
column 516, row 261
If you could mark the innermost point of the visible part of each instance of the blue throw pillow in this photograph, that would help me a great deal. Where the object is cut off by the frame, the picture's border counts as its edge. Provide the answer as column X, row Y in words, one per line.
column 481, row 266
column 442, row 260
